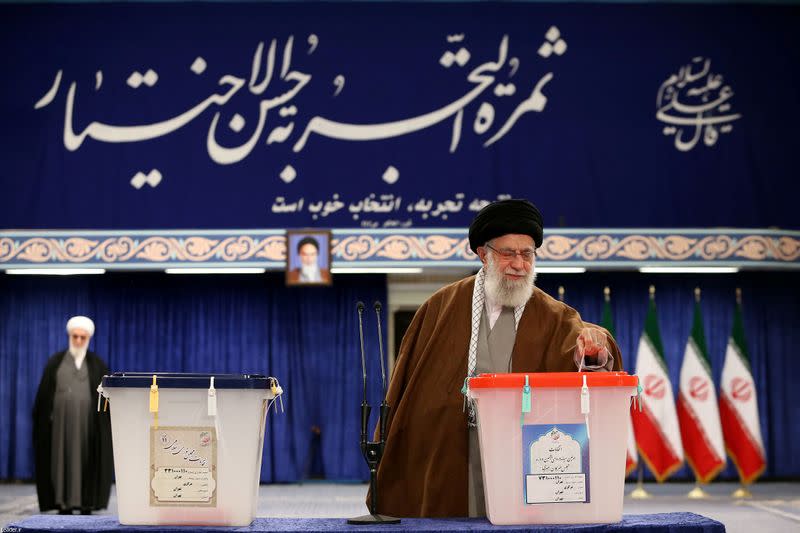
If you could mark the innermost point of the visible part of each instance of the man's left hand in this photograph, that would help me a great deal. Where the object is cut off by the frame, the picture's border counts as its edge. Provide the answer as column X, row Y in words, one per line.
column 592, row 349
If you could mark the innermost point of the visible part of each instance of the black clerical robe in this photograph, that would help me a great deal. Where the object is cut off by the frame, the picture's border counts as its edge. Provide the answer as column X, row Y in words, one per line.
column 98, row 471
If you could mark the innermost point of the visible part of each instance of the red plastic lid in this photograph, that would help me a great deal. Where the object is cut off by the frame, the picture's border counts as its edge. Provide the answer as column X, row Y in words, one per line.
column 553, row 380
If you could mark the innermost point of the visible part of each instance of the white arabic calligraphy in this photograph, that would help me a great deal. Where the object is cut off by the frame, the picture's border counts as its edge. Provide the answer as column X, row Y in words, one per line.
column 263, row 69
column 699, row 112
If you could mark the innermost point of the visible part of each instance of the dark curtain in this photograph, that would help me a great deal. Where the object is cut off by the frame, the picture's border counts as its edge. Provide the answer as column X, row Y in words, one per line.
column 771, row 308
column 307, row 337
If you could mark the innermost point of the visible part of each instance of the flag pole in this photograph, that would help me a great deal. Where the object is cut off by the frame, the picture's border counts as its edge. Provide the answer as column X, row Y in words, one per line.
column 697, row 493
column 639, row 493
column 742, row 492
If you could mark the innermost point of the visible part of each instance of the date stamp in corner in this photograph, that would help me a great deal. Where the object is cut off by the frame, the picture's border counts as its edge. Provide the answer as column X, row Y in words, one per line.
column 10, row 529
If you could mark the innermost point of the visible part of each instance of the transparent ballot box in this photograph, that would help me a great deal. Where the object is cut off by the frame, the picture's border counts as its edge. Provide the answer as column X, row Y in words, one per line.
column 553, row 445
column 187, row 447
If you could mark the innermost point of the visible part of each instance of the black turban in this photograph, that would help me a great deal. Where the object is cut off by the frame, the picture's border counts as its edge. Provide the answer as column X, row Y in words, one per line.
column 307, row 240
column 504, row 217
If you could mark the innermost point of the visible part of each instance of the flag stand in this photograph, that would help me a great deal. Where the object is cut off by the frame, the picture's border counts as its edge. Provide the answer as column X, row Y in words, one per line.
column 742, row 493
column 639, row 493
column 697, row 493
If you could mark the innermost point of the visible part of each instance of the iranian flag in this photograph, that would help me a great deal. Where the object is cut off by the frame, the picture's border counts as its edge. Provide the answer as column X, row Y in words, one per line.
column 738, row 407
column 632, row 457
column 697, row 407
column 607, row 321
column 656, row 425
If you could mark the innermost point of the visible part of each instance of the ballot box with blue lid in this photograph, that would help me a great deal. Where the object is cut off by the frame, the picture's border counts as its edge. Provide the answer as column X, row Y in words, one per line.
column 187, row 447
column 553, row 445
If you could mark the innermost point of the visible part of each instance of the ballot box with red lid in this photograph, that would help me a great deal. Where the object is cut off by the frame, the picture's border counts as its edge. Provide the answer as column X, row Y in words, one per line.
column 553, row 445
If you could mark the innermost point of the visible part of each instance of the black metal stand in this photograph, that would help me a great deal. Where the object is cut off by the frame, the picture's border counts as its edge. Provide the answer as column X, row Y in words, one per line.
column 373, row 451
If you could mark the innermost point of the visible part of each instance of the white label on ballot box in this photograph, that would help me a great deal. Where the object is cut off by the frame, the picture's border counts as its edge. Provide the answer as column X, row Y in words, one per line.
column 183, row 466
column 557, row 488
column 555, row 463
column 183, row 484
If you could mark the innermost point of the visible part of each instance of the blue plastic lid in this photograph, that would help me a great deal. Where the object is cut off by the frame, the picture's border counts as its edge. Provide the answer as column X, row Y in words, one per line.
column 174, row 380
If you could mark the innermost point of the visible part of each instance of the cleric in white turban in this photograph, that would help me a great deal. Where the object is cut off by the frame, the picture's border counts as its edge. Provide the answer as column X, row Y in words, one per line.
column 72, row 441
column 81, row 322
column 494, row 321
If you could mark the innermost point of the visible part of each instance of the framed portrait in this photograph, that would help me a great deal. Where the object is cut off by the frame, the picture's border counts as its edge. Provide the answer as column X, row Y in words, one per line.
column 308, row 257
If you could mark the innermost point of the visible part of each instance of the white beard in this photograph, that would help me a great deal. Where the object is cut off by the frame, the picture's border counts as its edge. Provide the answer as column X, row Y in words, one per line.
column 504, row 291
column 78, row 353
column 310, row 273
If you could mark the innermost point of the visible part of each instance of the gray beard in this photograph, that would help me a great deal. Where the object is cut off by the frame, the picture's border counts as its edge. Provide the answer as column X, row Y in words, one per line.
column 77, row 353
column 506, row 292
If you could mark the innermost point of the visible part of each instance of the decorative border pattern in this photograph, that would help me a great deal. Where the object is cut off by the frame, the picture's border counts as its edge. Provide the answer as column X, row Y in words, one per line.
column 672, row 248
column 428, row 248
column 394, row 247
column 149, row 249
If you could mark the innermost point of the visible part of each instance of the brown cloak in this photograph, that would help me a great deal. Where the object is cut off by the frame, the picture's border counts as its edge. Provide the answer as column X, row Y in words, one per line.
column 423, row 472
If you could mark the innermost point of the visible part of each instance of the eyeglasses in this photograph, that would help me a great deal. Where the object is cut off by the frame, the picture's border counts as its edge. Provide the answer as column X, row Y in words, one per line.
column 79, row 337
column 508, row 254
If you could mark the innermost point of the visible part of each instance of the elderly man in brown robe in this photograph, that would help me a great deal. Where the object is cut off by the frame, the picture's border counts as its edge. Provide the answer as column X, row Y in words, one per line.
column 494, row 321
column 71, row 439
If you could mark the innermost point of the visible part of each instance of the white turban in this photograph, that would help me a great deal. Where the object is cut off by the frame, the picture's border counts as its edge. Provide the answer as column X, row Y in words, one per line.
column 81, row 322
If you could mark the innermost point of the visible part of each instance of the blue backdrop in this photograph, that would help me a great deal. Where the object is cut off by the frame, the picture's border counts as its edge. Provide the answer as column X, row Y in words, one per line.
column 259, row 115
column 275, row 115
column 306, row 337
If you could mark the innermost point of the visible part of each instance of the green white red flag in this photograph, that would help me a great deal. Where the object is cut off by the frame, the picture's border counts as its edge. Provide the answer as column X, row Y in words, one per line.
column 738, row 407
column 698, row 413
column 658, row 435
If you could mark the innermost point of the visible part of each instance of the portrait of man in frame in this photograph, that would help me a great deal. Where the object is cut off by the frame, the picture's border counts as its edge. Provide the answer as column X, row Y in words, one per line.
column 308, row 257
